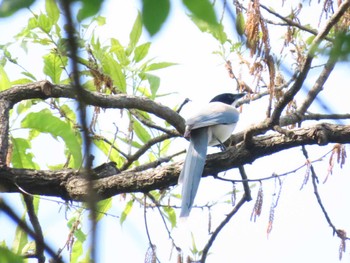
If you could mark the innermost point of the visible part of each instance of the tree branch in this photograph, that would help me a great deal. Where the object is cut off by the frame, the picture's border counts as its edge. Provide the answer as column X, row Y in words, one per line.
column 144, row 149
column 220, row 227
column 9, row 212
column 78, row 89
column 289, row 95
column 4, row 130
column 318, row 86
column 71, row 185
column 44, row 90
column 319, row 201
column 39, row 241
column 290, row 22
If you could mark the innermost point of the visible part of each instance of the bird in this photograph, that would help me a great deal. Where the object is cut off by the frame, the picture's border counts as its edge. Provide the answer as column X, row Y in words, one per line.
column 211, row 126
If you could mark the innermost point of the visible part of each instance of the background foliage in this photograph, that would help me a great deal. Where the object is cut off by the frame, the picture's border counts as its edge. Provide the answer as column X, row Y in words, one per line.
column 86, row 76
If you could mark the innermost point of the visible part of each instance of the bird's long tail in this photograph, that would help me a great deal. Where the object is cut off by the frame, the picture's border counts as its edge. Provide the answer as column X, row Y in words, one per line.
column 193, row 168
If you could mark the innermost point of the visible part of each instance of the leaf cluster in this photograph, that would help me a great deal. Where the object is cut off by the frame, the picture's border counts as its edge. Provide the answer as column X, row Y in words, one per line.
column 121, row 77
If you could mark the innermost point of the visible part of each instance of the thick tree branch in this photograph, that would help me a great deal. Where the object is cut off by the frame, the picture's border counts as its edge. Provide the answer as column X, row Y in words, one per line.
column 72, row 185
column 44, row 90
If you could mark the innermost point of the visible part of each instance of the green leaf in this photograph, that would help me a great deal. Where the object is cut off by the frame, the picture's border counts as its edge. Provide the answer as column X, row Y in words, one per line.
column 240, row 23
column 89, row 8
column 159, row 65
column 20, row 240
column 154, row 14
column 144, row 91
column 114, row 70
column 170, row 215
column 52, row 10
column 36, row 201
column 80, row 235
column 341, row 47
column 21, row 155
column 216, row 30
column 53, row 66
column 45, row 122
column 135, row 34
column 310, row 39
column 23, row 106
column 105, row 148
column 69, row 113
column 194, row 249
column 133, row 143
column 126, row 211
column 165, row 145
column 154, row 83
column 141, row 132
column 141, row 51
column 119, row 51
column 89, row 85
column 29, row 247
column 32, row 23
column 101, row 20
column 21, row 81
column 45, row 23
column 202, row 9
column 74, row 218
column 103, row 207
column 8, row 7
column 87, row 258
column 33, row 134
column 7, row 256
column 77, row 251
column 4, row 80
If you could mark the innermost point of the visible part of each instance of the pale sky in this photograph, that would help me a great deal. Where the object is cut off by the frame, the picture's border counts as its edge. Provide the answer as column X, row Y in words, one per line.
column 300, row 232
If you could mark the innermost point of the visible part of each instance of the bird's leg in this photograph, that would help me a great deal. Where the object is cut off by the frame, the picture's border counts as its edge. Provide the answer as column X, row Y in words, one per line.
column 221, row 145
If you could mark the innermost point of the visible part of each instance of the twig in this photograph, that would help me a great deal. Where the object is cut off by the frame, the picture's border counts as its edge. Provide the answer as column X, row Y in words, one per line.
column 274, row 175
column 318, row 86
column 318, row 197
column 289, row 95
column 156, row 163
column 183, row 104
column 62, row 202
column 144, row 149
column 317, row 116
column 290, row 22
column 152, row 246
column 10, row 213
column 92, row 198
column 99, row 137
column 39, row 242
column 245, row 183
column 150, row 124
column 158, row 205
column 112, row 144
column 220, row 227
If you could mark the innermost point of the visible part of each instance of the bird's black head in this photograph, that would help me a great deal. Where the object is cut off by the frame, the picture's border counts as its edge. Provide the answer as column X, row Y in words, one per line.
column 227, row 98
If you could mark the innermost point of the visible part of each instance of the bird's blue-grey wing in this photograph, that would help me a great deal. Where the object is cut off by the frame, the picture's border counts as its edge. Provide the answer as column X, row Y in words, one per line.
column 215, row 113
column 193, row 169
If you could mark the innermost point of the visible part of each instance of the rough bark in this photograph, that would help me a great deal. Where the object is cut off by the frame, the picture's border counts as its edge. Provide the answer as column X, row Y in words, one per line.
column 72, row 185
